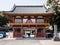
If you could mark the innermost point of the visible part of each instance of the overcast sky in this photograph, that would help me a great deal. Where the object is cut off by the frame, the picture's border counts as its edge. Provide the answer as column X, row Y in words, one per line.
column 6, row 5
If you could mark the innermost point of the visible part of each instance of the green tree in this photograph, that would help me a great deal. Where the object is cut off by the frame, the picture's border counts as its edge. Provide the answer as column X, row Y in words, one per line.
column 3, row 20
column 56, row 8
column 56, row 21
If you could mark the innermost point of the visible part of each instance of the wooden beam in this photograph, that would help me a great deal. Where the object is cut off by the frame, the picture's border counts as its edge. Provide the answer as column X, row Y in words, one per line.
column 41, row 14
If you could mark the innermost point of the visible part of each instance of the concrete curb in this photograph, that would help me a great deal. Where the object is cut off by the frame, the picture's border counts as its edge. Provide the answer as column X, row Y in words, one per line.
column 8, row 39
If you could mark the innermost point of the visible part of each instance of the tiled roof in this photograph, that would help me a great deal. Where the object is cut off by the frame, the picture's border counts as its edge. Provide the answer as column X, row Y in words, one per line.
column 29, row 10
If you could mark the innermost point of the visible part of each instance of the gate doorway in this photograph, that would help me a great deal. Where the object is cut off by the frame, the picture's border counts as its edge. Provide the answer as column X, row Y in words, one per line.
column 28, row 33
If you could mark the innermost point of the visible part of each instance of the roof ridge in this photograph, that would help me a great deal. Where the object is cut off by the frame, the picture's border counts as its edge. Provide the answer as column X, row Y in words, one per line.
column 28, row 5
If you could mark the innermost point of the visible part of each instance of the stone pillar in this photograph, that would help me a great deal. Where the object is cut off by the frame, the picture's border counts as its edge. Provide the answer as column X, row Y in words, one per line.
column 55, row 33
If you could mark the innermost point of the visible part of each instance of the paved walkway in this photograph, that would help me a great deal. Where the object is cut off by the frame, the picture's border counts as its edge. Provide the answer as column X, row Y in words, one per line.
column 49, row 42
column 20, row 42
column 29, row 42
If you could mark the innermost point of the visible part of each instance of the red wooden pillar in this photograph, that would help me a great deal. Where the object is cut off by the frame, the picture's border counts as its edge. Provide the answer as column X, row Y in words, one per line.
column 35, row 26
column 44, row 19
column 13, row 18
column 21, row 33
column 13, row 32
column 22, row 19
column 44, row 32
column 35, row 19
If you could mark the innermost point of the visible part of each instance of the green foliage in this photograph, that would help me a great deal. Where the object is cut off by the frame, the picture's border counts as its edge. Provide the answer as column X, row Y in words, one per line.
column 56, row 19
column 49, row 2
column 3, row 20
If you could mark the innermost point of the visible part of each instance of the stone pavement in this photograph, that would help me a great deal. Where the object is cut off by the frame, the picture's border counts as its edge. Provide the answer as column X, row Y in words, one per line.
column 28, row 42
column 49, row 42
column 20, row 42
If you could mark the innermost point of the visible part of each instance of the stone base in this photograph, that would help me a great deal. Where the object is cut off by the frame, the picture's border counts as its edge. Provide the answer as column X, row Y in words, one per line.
column 56, row 39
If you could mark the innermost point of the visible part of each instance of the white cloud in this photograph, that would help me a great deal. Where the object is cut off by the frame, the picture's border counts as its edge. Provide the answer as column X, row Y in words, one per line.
column 6, row 5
